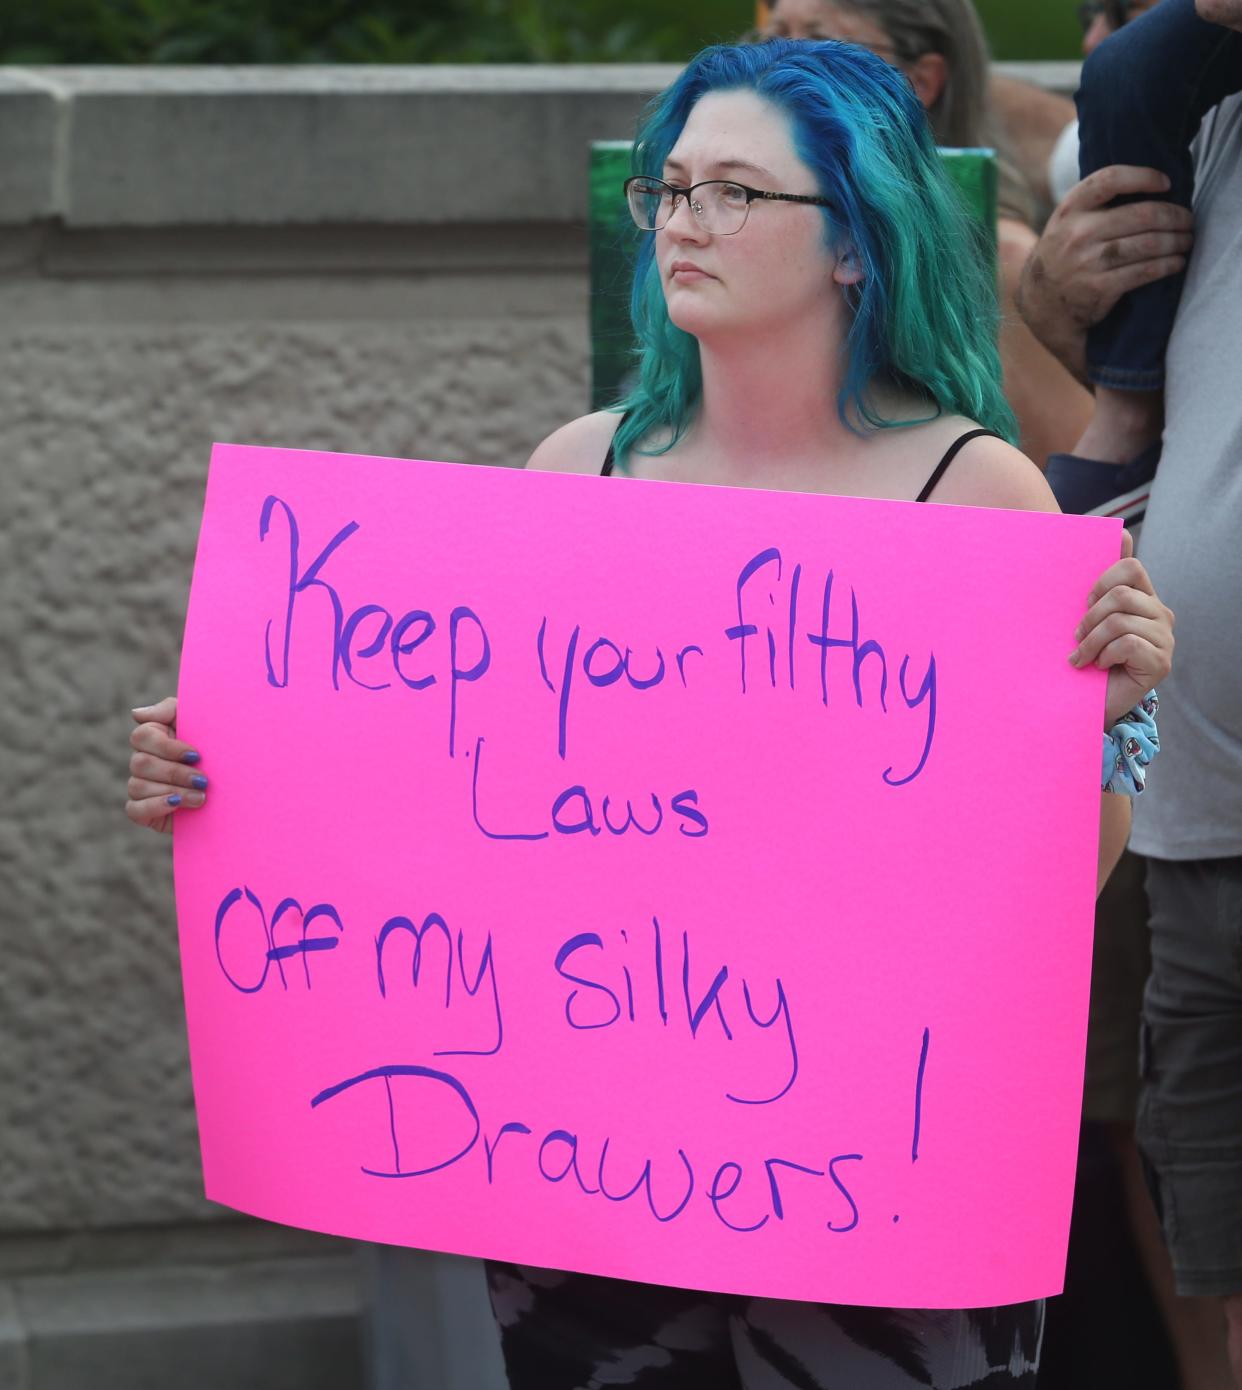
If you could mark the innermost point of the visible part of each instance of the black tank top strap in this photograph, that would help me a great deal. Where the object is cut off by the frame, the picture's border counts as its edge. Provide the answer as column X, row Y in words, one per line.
column 949, row 455
column 610, row 458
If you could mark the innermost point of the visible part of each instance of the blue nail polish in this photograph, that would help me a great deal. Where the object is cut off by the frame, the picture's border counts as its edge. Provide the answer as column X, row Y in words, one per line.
column 190, row 758
column 198, row 782
column 174, row 800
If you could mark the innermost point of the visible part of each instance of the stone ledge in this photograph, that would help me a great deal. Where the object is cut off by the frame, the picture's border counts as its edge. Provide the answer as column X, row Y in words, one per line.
column 290, row 1324
column 261, row 146
column 28, row 158
column 222, row 1238
column 367, row 250
column 169, row 147
column 1061, row 76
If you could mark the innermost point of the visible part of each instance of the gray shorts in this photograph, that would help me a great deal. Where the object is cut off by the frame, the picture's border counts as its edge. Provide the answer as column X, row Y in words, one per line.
column 1190, row 1110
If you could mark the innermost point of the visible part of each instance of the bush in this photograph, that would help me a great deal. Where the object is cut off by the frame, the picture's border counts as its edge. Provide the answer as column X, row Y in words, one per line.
column 364, row 31
column 429, row 31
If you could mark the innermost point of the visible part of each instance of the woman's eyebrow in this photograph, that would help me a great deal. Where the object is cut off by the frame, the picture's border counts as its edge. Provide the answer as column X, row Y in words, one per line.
column 745, row 165
column 722, row 166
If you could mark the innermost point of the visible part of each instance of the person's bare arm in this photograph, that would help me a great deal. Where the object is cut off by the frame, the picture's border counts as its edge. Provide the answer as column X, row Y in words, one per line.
column 1091, row 254
column 1114, row 835
column 1032, row 119
column 1126, row 630
column 1052, row 407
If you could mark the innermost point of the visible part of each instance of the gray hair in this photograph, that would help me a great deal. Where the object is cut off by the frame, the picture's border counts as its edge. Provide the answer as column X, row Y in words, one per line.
column 961, row 115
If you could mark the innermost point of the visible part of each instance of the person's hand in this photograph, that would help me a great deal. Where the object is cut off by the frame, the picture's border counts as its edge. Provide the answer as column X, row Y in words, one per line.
column 163, row 772
column 1127, row 632
column 1091, row 254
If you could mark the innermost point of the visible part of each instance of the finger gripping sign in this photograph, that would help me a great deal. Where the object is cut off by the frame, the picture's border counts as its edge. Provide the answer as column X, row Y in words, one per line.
column 683, row 884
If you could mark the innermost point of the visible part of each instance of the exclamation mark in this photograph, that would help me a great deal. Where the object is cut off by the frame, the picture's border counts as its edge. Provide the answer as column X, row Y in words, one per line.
column 918, row 1103
column 918, row 1096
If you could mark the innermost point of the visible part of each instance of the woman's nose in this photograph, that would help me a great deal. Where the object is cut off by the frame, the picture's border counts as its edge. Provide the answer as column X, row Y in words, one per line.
column 683, row 222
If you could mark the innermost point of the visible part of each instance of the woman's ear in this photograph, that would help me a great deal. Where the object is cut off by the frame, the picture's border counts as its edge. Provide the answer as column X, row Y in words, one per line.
column 848, row 269
column 928, row 75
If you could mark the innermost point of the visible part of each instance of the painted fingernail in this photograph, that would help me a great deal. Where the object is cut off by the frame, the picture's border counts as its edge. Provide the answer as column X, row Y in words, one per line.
column 198, row 782
column 190, row 757
column 174, row 800
column 1074, row 658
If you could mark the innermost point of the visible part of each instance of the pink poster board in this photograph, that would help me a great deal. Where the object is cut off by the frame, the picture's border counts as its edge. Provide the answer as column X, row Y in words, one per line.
column 683, row 884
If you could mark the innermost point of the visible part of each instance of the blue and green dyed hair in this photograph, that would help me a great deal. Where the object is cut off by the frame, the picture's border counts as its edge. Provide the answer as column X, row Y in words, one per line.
column 925, row 313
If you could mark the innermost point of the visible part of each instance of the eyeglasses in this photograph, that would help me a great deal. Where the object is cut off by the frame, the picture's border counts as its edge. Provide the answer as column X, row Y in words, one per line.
column 719, row 205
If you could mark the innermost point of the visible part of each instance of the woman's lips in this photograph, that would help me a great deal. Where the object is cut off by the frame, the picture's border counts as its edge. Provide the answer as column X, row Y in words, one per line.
column 685, row 271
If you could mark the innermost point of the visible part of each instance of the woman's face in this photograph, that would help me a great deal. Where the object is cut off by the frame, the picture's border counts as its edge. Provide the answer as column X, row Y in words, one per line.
column 821, row 19
column 778, row 268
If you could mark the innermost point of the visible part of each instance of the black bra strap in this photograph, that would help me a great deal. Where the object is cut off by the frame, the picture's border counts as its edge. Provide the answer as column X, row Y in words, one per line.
column 949, row 456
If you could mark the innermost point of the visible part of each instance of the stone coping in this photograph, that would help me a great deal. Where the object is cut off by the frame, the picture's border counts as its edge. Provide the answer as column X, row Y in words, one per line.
column 100, row 147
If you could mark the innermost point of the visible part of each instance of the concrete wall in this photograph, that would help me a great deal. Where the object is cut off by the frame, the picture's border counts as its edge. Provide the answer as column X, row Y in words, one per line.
column 376, row 260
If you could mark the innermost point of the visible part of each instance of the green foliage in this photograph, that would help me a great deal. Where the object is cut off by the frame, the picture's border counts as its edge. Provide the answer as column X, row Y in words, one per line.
column 362, row 31
column 432, row 31
column 1049, row 29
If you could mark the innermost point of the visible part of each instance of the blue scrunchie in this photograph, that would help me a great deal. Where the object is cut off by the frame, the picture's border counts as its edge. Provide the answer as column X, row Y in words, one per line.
column 1129, row 747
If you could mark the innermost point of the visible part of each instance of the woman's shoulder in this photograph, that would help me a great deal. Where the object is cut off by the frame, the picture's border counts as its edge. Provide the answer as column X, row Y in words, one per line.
column 578, row 447
column 987, row 471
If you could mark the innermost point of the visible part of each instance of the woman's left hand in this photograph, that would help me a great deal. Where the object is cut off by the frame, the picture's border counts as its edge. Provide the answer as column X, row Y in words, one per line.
column 1127, row 632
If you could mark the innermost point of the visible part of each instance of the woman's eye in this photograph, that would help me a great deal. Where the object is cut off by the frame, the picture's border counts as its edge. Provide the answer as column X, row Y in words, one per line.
column 731, row 193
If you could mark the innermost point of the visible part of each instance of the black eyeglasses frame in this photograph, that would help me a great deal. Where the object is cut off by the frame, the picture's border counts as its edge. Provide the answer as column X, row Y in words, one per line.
column 684, row 192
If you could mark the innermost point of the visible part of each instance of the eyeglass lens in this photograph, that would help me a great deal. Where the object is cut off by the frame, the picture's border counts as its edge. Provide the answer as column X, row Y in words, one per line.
column 719, row 206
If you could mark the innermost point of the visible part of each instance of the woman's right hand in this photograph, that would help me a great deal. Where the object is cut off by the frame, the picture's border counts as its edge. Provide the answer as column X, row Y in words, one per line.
column 163, row 772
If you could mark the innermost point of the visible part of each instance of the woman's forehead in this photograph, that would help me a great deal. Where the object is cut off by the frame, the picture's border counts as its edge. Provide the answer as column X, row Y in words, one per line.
column 831, row 21
column 737, row 127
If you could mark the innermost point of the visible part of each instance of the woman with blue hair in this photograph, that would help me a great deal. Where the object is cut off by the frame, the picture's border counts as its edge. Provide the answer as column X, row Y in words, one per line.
column 814, row 314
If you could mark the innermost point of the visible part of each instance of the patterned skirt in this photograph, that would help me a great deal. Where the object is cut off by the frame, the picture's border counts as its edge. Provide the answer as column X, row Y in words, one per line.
column 564, row 1331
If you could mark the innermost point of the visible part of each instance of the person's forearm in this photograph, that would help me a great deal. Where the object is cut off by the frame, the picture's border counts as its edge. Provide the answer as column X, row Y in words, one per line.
column 1031, row 119
column 1114, row 835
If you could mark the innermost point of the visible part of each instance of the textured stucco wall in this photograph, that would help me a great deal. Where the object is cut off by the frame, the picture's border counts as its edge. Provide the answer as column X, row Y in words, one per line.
column 112, row 389
column 107, row 429
column 459, row 332
column 273, row 257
